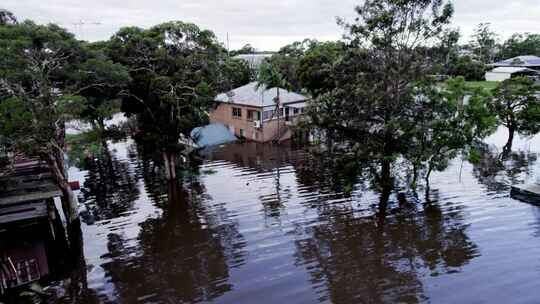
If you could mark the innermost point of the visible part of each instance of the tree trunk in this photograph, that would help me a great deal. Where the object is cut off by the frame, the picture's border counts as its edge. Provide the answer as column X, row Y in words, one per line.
column 386, row 178
column 69, row 200
column 428, row 175
column 169, row 161
column 508, row 147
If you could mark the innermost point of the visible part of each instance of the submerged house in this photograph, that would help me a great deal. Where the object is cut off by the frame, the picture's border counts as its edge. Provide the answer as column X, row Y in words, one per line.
column 251, row 113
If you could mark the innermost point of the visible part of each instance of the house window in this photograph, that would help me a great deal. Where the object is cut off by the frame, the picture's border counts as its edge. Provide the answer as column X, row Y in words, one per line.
column 267, row 115
column 253, row 115
column 296, row 111
column 237, row 112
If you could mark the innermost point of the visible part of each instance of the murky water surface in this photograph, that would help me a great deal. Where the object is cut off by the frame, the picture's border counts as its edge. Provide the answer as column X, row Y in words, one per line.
column 264, row 224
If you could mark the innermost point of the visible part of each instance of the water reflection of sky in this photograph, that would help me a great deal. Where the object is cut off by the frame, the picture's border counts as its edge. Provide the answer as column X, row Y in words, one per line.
column 278, row 225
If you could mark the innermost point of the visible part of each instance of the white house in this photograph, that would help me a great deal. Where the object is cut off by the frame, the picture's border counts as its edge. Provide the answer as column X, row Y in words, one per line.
column 503, row 73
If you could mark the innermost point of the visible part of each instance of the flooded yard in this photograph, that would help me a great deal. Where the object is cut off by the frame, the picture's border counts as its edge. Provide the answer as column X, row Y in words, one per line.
column 276, row 224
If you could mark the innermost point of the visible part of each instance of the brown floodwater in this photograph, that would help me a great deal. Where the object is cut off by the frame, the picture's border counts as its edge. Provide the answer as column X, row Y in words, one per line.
column 268, row 224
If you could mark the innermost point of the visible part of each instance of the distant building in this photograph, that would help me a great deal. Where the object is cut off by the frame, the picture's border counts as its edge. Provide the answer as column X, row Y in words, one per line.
column 530, row 62
column 250, row 112
column 254, row 60
column 503, row 73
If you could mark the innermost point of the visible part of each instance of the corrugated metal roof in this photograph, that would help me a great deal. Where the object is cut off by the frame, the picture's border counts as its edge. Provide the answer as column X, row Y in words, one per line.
column 520, row 61
column 251, row 96
column 511, row 70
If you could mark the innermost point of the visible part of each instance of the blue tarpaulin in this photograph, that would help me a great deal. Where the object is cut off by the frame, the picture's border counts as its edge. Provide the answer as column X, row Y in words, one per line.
column 212, row 135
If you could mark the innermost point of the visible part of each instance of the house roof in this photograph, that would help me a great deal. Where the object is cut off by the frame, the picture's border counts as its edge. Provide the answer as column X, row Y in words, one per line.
column 520, row 61
column 511, row 70
column 250, row 95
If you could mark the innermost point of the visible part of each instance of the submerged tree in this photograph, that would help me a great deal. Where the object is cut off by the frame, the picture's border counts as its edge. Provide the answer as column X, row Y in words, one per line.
column 374, row 102
column 517, row 107
column 102, row 81
column 173, row 67
column 449, row 122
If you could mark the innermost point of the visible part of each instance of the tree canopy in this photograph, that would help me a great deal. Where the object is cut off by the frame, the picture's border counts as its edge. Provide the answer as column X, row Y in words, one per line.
column 174, row 71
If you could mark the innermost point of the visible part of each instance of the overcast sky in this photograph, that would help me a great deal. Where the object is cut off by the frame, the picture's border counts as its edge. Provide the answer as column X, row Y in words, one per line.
column 267, row 25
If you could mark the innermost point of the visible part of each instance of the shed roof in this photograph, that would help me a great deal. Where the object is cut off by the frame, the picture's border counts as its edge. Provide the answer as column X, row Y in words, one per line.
column 511, row 70
column 520, row 61
column 250, row 95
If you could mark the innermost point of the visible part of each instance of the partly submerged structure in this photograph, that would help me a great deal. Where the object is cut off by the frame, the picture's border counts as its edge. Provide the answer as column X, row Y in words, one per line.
column 251, row 112
column 32, row 224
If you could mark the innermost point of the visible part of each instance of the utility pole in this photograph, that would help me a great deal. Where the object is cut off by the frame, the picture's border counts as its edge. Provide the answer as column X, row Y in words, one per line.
column 228, row 50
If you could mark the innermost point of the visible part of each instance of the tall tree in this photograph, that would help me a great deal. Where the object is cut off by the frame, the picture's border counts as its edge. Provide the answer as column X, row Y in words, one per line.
column 37, row 94
column 374, row 99
column 484, row 43
column 520, row 44
column 517, row 106
column 316, row 66
column 173, row 67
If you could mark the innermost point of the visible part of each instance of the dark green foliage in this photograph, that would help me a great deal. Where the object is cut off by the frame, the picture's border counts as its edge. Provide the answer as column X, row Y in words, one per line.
column 36, row 94
column 173, row 67
column 234, row 73
column 520, row 44
column 246, row 49
column 470, row 69
column 448, row 123
column 315, row 71
column 101, row 81
column 517, row 107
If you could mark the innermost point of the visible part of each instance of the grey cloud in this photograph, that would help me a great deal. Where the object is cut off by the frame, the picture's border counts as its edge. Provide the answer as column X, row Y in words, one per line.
column 265, row 24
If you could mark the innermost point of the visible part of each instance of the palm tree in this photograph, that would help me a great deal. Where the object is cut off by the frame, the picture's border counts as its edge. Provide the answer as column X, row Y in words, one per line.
column 270, row 77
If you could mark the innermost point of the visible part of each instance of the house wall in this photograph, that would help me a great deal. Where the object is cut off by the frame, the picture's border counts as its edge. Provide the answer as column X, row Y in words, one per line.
column 497, row 76
column 244, row 127
column 223, row 114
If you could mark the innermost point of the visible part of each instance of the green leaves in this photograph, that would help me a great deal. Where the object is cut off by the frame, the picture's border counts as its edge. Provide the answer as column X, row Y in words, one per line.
column 174, row 70
column 516, row 104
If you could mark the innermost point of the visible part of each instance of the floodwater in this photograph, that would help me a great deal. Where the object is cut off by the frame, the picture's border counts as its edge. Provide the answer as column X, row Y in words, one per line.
column 267, row 224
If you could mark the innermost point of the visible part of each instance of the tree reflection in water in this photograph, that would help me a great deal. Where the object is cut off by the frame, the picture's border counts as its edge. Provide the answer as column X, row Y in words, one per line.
column 110, row 187
column 353, row 253
column 362, row 259
column 354, row 256
column 498, row 173
column 184, row 255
